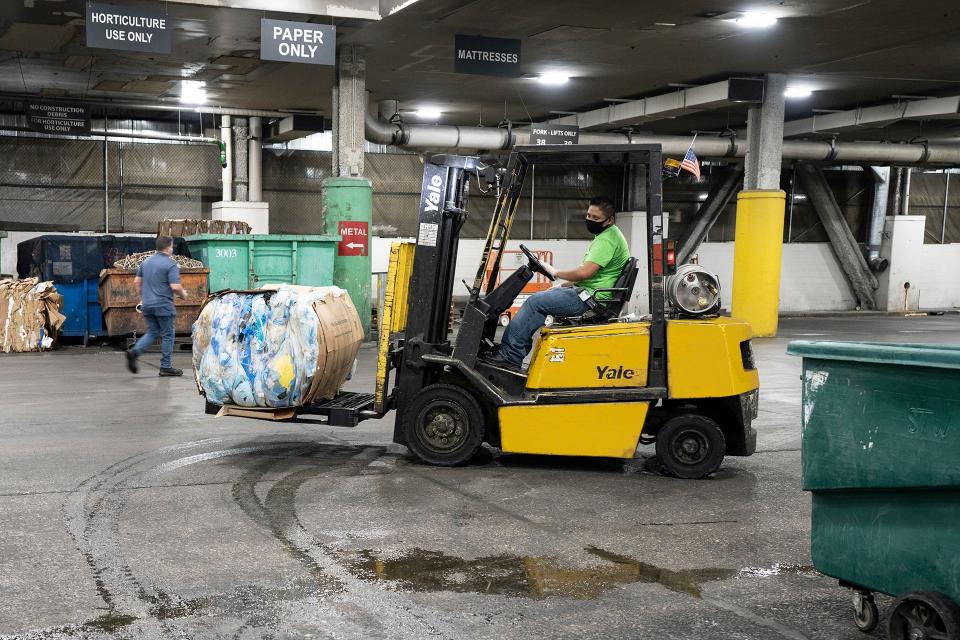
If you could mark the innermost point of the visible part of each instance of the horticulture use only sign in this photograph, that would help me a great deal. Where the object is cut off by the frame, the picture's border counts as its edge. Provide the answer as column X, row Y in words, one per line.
column 140, row 29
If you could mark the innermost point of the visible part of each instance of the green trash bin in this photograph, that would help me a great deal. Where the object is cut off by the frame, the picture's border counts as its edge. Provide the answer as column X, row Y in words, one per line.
column 881, row 458
column 250, row 261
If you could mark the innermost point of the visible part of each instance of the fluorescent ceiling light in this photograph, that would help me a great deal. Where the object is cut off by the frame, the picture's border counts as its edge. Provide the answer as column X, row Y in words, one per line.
column 756, row 20
column 797, row 92
column 429, row 113
column 193, row 92
column 553, row 78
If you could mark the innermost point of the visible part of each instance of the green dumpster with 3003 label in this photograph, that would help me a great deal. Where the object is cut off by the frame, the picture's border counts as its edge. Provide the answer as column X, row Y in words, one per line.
column 881, row 458
column 251, row 261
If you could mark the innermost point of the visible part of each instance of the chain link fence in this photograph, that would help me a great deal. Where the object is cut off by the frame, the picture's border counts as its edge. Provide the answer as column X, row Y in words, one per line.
column 59, row 184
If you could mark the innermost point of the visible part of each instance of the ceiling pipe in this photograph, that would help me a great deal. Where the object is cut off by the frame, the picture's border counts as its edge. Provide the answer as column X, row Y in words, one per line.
column 488, row 138
column 158, row 106
column 23, row 132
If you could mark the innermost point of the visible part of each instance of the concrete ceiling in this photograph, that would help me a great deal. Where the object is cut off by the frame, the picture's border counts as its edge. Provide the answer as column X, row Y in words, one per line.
column 851, row 52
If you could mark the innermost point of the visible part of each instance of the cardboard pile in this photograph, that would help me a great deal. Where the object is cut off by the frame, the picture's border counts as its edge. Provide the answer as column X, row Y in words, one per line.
column 134, row 260
column 275, row 348
column 30, row 317
column 188, row 227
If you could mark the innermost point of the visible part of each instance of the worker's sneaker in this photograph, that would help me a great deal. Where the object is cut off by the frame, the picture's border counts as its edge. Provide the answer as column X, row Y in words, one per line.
column 132, row 361
column 168, row 372
column 497, row 360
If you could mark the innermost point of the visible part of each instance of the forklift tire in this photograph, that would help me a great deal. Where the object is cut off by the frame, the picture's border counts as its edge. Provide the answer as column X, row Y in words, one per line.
column 690, row 445
column 444, row 425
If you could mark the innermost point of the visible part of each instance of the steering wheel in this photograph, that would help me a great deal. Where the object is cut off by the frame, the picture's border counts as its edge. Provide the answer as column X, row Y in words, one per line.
column 535, row 263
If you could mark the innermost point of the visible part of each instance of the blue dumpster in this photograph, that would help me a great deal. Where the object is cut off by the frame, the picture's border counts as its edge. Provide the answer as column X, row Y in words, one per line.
column 81, row 306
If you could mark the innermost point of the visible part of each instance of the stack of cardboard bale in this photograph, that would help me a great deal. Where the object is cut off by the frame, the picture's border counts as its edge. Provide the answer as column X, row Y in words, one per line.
column 189, row 227
column 30, row 317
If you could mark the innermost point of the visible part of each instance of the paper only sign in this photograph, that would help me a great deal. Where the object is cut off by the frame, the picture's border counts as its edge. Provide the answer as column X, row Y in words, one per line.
column 297, row 42
column 127, row 28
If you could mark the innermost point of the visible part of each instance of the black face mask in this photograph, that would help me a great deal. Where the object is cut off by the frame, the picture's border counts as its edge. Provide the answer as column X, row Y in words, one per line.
column 595, row 227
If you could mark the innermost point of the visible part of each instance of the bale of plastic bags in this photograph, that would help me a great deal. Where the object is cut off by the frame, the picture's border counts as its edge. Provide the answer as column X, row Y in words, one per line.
column 279, row 347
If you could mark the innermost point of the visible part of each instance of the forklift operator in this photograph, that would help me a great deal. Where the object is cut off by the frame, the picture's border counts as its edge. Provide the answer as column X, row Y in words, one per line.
column 601, row 266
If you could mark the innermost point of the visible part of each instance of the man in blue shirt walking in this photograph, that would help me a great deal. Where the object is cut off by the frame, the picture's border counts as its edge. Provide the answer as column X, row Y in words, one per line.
column 158, row 279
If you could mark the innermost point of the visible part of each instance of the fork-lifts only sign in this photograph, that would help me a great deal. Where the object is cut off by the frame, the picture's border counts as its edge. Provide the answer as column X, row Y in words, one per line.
column 355, row 238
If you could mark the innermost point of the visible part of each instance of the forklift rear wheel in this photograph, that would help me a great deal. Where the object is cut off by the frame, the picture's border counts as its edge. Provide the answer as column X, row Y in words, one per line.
column 924, row 614
column 444, row 425
column 690, row 445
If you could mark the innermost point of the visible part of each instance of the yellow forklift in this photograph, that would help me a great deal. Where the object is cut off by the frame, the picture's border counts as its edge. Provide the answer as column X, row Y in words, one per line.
column 596, row 385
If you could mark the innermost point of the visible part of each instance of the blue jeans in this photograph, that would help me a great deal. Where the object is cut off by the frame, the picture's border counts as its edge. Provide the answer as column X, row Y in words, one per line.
column 518, row 336
column 161, row 327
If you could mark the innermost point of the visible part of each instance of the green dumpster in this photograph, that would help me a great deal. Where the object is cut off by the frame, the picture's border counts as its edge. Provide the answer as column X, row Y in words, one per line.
column 881, row 458
column 250, row 261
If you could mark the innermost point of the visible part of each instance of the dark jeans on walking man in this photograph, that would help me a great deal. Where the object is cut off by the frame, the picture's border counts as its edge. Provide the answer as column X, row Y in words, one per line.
column 157, row 281
column 161, row 327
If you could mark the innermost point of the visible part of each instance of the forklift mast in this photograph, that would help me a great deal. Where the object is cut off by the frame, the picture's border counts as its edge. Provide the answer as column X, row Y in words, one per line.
column 442, row 214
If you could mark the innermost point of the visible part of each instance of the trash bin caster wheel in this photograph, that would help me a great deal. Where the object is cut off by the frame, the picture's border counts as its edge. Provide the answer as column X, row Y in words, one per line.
column 924, row 615
column 865, row 613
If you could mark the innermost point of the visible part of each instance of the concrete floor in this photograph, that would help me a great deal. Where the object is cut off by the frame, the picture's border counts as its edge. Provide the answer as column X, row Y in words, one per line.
column 127, row 512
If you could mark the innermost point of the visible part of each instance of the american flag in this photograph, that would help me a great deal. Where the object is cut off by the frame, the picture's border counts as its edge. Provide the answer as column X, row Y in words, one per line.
column 690, row 163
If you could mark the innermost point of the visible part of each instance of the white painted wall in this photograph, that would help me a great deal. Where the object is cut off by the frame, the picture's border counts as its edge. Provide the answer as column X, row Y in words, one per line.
column 811, row 279
column 929, row 268
column 938, row 286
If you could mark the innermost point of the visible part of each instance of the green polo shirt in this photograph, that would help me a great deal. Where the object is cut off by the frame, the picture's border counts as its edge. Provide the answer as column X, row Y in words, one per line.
column 609, row 250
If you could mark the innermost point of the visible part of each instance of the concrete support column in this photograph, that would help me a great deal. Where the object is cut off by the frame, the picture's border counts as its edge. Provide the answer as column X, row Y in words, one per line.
column 899, row 288
column 240, row 164
column 349, row 112
column 255, row 159
column 757, row 257
column 758, row 244
column 347, row 195
column 226, row 175
column 765, row 137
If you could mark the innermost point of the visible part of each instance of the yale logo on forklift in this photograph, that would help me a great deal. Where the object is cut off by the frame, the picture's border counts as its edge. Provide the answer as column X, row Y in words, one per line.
column 614, row 373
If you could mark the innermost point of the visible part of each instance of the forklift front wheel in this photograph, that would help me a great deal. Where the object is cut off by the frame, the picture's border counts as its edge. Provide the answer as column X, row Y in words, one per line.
column 690, row 445
column 443, row 425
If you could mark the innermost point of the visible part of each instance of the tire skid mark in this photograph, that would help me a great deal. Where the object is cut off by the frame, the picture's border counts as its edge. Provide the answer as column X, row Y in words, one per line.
column 405, row 618
column 85, row 510
column 92, row 514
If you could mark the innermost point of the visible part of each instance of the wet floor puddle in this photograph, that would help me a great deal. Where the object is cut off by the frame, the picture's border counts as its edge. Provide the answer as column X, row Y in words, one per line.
column 537, row 577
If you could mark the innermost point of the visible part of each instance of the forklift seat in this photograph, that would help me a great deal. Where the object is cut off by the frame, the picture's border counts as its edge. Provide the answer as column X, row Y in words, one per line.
column 606, row 310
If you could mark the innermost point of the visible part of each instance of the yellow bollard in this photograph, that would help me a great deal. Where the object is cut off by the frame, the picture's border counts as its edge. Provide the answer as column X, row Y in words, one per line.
column 757, row 253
